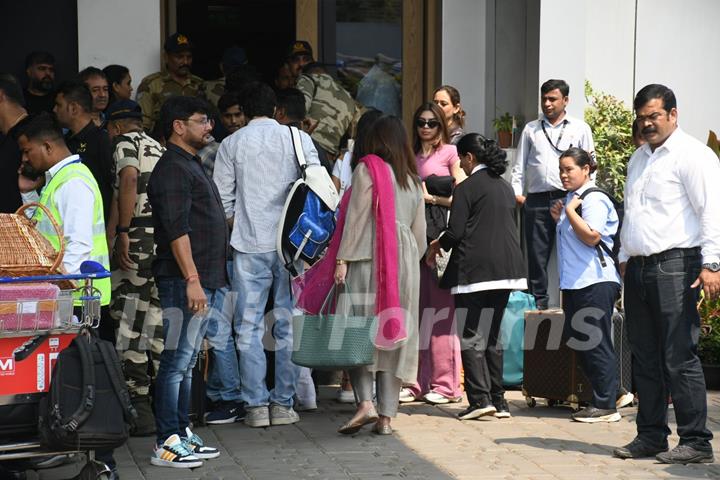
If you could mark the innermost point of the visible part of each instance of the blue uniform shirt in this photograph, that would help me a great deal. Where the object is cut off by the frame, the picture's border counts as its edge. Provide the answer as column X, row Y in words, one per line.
column 578, row 263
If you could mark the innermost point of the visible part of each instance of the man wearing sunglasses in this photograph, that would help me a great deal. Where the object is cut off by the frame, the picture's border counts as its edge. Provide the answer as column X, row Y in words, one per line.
column 536, row 178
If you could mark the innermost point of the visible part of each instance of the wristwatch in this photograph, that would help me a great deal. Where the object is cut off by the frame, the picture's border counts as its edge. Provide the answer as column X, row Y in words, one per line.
column 120, row 229
column 713, row 267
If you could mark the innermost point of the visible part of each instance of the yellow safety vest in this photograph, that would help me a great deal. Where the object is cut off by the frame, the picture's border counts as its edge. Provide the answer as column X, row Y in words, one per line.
column 99, row 252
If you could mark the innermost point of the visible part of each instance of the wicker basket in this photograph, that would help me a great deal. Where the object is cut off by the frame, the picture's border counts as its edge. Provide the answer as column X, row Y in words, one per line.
column 23, row 249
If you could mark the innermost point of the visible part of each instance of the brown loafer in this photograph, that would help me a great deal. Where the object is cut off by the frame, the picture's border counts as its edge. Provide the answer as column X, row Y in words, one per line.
column 382, row 429
column 353, row 427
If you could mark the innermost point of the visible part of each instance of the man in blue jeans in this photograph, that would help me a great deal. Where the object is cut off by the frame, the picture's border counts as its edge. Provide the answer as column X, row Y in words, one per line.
column 191, row 238
column 254, row 169
column 670, row 249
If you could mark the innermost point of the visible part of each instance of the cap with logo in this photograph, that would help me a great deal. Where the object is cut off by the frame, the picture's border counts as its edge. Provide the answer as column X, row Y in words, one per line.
column 300, row 47
column 123, row 109
column 177, row 42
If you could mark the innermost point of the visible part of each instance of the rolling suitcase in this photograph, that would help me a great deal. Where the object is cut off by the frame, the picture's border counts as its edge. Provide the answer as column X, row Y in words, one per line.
column 200, row 371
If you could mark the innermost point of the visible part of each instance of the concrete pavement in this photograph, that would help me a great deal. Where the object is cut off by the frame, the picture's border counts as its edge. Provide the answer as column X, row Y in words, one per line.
column 429, row 443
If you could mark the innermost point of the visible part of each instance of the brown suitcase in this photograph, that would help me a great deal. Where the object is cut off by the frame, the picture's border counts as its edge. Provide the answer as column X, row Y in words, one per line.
column 551, row 370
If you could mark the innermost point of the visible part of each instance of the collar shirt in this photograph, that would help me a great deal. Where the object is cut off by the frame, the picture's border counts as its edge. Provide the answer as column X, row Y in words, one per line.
column 579, row 263
column 93, row 145
column 74, row 200
column 184, row 201
column 672, row 200
column 254, row 170
column 537, row 167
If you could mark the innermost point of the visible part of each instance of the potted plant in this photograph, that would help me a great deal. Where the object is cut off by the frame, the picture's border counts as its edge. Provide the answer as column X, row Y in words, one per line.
column 709, row 345
column 503, row 126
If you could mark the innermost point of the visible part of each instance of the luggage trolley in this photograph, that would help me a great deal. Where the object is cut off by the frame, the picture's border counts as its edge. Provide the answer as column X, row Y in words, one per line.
column 33, row 331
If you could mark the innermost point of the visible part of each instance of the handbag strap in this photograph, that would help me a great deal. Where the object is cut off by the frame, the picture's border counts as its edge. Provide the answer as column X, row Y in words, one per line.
column 333, row 294
column 297, row 146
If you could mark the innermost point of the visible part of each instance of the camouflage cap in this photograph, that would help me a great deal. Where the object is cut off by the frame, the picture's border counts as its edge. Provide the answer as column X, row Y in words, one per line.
column 123, row 109
column 177, row 42
column 300, row 47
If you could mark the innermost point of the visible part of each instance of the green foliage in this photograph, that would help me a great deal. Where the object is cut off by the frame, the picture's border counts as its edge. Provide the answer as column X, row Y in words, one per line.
column 503, row 123
column 709, row 345
column 611, row 124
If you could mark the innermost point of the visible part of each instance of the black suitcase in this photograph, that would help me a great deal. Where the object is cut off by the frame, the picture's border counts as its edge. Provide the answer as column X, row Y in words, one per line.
column 198, row 407
column 551, row 370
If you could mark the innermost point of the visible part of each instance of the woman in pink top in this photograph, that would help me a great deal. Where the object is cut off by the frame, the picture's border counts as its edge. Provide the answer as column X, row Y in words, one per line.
column 439, row 363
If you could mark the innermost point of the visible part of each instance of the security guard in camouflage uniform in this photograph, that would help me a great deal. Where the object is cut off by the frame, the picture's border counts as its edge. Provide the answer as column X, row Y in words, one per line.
column 329, row 105
column 177, row 80
column 232, row 58
column 135, row 304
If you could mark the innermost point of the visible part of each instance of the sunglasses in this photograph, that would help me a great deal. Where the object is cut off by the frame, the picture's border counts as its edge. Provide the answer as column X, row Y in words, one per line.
column 421, row 122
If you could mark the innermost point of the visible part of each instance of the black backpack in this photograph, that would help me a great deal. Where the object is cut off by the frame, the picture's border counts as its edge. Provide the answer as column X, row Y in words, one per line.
column 88, row 405
column 619, row 208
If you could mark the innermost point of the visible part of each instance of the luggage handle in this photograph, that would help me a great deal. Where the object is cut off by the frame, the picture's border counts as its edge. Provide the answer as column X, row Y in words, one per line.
column 58, row 230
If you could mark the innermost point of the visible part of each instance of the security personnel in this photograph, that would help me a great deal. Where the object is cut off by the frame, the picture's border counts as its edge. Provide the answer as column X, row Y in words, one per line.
column 177, row 80
column 232, row 58
column 135, row 305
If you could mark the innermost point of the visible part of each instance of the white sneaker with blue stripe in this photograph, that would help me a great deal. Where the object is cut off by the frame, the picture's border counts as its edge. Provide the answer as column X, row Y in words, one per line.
column 197, row 446
column 174, row 453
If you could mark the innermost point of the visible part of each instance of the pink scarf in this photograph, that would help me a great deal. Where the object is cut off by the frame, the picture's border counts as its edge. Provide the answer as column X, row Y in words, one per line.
column 313, row 287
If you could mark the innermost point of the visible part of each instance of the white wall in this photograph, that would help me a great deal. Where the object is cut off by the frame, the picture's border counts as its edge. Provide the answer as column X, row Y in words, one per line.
column 123, row 32
column 464, row 52
column 677, row 45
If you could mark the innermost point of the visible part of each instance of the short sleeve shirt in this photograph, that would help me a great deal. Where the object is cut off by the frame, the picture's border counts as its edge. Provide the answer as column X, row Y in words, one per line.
column 141, row 152
column 437, row 163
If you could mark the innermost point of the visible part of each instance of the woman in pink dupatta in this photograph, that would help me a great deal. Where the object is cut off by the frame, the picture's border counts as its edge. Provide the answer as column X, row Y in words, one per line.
column 382, row 272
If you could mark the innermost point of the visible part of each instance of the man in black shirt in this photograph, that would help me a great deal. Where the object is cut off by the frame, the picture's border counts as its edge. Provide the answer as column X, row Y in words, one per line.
column 73, row 107
column 12, row 113
column 40, row 93
column 190, row 271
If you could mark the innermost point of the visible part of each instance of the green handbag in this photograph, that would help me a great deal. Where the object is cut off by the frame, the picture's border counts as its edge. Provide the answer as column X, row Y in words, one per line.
column 333, row 341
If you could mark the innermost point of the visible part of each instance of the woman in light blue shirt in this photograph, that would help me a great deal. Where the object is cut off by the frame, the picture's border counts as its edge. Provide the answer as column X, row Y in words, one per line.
column 589, row 288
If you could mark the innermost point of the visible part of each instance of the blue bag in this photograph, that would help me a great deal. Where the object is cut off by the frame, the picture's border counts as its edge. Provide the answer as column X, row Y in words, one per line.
column 512, row 331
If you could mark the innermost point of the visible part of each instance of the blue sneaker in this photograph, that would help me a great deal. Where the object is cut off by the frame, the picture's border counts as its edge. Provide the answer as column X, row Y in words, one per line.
column 226, row 412
column 195, row 444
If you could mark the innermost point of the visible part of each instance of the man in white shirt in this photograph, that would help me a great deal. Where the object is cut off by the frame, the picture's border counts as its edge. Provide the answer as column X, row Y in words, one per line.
column 670, row 249
column 536, row 177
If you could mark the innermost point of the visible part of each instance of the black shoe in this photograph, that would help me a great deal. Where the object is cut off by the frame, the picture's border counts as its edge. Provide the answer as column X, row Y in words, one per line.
column 144, row 424
column 226, row 412
column 684, row 454
column 477, row 411
column 595, row 415
column 501, row 409
column 637, row 449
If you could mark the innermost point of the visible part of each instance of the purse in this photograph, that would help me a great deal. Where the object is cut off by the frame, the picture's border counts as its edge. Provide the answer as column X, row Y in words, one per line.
column 333, row 341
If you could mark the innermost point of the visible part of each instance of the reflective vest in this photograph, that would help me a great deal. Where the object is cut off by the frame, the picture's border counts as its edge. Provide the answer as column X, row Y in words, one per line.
column 99, row 252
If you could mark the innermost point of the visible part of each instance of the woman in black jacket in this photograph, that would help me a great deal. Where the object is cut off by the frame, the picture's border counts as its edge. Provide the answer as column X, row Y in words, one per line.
column 485, row 266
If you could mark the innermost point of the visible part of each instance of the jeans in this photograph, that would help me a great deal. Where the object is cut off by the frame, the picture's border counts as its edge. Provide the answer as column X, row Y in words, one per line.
column 183, row 334
column 223, row 382
column 663, row 329
column 255, row 274
column 599, row 362
column 540, row 240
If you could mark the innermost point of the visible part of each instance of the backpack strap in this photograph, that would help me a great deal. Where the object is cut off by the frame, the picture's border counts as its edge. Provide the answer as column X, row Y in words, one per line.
column 117, row 379
column 87, row 401
column 297, row 146
column 601, row 245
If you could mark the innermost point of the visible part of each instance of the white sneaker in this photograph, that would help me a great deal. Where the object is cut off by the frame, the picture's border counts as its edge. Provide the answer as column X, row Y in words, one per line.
column 174, row 453
column 438, row 399
column 407, row 396
column 624, row 399
column 345, row 396
column 197, row 446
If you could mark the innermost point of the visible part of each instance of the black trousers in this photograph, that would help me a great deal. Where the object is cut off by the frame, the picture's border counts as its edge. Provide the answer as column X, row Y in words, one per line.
column 540, row 241
column 588, row 327
column 663, row 329
column 481, row 351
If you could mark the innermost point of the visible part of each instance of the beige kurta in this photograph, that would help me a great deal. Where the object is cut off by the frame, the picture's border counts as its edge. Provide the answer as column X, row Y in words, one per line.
column 358, row 248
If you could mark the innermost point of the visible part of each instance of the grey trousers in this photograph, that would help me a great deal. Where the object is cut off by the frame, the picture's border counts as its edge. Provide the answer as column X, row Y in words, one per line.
column 388, row 389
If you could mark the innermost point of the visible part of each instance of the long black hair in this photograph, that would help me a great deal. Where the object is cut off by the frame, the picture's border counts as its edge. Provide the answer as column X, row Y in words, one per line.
column 367, row 120
column 580, row 157
column 486, row 151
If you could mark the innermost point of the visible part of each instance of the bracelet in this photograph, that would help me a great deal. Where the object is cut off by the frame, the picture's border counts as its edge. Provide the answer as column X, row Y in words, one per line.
column 192, row 277
column 340, row 262
column 119, row 229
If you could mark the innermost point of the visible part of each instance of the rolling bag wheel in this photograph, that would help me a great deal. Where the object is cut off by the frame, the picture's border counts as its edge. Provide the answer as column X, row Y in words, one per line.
column 552, row 403
column 530, row 402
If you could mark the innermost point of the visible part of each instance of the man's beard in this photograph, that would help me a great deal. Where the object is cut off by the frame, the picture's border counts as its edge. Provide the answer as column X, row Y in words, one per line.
column 29, row 172
column 45, row 84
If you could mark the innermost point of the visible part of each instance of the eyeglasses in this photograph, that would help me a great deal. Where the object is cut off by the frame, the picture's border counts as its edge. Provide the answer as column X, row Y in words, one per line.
column 421, row 122
column 202, row 121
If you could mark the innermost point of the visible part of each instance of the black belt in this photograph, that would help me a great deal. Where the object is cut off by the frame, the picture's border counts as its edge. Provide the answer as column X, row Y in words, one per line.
column 667, row 255
column 141, row 222
column 550, row 195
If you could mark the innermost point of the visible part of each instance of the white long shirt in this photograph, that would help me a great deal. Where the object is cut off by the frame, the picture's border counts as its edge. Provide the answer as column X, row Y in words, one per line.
column 74, row 200
column 672, row 199
column 538, row 167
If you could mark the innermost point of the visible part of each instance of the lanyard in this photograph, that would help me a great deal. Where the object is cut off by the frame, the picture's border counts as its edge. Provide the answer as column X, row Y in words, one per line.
column 562, row 130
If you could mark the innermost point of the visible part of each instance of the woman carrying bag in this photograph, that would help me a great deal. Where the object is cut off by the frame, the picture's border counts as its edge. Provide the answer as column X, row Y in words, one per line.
column 486, row 264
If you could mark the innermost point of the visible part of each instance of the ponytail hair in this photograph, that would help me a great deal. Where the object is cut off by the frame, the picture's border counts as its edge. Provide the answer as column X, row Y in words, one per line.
column 580, row 157
column 454, row 95
column 486, row 151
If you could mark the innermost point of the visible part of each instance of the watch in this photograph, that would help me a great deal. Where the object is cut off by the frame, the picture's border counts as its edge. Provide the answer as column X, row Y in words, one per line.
column 713, row 267
column 119, row 229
